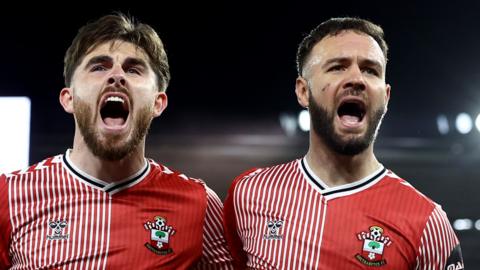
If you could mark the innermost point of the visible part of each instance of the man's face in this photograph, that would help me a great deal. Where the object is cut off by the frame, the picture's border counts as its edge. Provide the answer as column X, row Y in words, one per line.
column 115, row 97
column 346, row 91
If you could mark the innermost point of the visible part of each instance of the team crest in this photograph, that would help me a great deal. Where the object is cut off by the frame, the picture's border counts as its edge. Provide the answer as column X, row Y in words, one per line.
column 273, row 226
column 374, row 244
column 160, row 234
column 57, row 228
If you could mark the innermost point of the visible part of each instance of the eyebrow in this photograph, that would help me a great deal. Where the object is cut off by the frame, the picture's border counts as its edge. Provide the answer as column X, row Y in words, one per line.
column 130, row 61
column 368, row 62
column 98, row 59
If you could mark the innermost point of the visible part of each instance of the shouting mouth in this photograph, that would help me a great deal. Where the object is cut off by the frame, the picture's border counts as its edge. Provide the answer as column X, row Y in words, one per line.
column 351, row 112
column 114, row 111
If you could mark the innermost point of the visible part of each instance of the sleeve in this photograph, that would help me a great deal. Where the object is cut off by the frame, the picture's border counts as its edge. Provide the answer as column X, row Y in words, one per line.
column 215, row 253
column 5, row 225
column 439, row 246
column 235, row 243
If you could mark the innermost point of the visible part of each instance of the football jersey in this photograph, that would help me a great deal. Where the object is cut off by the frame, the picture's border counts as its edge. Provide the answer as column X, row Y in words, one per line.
column 55, row 216
column 285, row 217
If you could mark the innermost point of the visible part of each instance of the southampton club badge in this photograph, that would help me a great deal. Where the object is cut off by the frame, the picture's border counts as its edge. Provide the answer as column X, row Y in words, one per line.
column 374, row 243
column 160, row 234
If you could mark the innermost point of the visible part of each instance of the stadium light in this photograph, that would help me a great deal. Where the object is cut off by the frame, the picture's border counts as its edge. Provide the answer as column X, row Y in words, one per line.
column 477, row 224
column 15, row 135
column 477, row 122
column 442, row 124
column 304, row 120
column 464, row 123
column 463, row 224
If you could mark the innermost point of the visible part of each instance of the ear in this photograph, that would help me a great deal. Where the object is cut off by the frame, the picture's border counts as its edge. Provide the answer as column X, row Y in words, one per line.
column 161, row 102
column 387, row 94
column 66, row 99
column 301, row 89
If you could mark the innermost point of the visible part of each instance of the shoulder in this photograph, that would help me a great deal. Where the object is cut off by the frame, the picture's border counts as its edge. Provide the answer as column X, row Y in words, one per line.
column 405, row 190
column 403, row 199
column 40, row 166
column 266, row 174
column 175, row 178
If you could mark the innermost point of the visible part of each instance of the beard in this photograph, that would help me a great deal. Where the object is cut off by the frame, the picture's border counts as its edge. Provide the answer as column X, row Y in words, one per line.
column 111, row 148
column 322, row 124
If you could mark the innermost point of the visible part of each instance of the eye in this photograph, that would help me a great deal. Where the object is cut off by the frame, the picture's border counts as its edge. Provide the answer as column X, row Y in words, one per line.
column 98, row 68
column 336, row 68
column 134, row 70
column 371, row 71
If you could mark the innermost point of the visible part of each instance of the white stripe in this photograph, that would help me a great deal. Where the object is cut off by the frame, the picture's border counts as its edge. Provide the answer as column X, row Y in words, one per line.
column 37, row 224
column 273, row 247
column 295, row 220
column 98, row 201
column 23, row 218
column 104, row 203
column 58, row 244
column 324, row 218
column 43, row 179
column 19, row 221
column 260, row 221
column 85, row 223
column 441, row 244
column 108, row 230
column 72, row 184
column 67, row 209
column 290, row 173
column 298, row 221
column 316, row 253
column 307, row 233
column 91, row 231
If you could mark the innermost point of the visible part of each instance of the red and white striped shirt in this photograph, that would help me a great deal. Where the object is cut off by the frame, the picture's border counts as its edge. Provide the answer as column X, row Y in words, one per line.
column 285, row 217
column 54, row 216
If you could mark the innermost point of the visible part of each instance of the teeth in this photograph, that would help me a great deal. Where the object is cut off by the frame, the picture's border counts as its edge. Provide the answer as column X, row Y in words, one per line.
column 115, row 99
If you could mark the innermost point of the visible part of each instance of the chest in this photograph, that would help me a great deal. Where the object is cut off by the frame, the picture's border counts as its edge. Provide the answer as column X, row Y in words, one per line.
column 307, row 231
column 87, row 228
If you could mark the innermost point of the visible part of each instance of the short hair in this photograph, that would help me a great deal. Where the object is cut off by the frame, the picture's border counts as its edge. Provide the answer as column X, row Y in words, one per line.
column 118, row 27
column 333, row 27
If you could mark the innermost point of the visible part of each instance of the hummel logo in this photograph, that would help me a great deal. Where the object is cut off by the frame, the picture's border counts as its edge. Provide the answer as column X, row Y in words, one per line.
column 57, row 227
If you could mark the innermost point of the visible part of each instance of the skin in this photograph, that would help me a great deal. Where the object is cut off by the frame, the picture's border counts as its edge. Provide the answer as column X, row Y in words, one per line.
column 347, row 66
column 108, row 69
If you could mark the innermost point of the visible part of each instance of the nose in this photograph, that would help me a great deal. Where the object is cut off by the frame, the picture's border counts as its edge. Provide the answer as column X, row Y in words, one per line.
column 117, row 80
column 355, row 80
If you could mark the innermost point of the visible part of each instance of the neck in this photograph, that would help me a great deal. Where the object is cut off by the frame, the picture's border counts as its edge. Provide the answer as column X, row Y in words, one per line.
column 107, row 170
column 336, row 169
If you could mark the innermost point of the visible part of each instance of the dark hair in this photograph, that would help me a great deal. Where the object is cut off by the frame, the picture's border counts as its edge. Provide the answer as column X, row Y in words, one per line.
column 118, row 27
column 333, row 27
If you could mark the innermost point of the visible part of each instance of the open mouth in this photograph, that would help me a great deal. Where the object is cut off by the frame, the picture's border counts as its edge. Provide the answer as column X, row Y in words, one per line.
column 114, row 111
column 351, row 111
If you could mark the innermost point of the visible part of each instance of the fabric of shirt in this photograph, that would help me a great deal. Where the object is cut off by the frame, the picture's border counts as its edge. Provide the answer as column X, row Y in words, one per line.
column 285, row 217
column 55, row 216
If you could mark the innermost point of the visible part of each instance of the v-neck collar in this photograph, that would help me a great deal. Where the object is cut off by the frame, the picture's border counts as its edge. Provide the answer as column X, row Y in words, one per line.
column 111, row 188
column 342, row 190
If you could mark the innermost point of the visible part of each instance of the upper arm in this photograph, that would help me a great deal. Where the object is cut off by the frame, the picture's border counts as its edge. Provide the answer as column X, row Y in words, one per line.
column 439, row 246
column 215, row 252
column 234, row 241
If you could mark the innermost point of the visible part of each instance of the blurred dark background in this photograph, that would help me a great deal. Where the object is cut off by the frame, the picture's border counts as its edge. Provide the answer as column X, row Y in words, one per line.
column 233, row 74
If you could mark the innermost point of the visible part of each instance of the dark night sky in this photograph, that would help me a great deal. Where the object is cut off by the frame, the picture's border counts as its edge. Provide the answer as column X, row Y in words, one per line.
column 237, row 60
